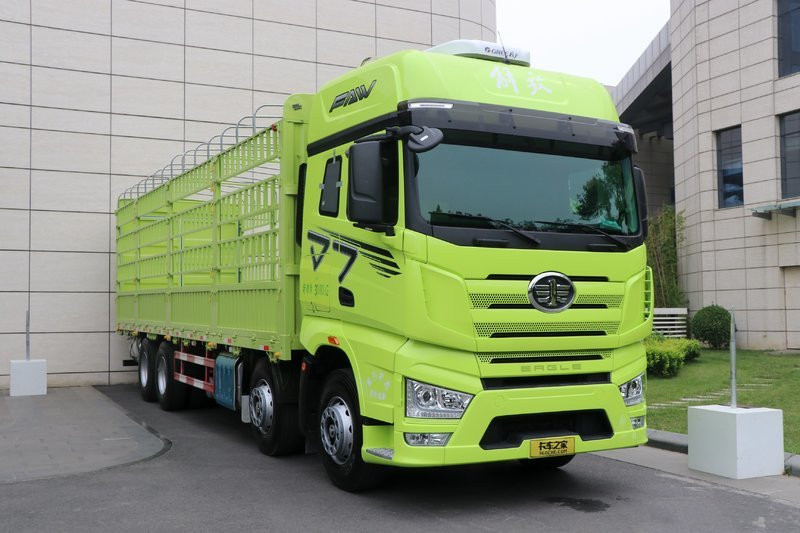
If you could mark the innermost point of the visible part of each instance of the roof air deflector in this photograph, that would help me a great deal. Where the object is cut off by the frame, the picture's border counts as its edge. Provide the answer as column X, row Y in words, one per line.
column 484, row 50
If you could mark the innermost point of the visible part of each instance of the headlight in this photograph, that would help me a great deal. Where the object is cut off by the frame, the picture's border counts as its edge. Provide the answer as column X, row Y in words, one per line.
column 633, row 391
column 427, row 401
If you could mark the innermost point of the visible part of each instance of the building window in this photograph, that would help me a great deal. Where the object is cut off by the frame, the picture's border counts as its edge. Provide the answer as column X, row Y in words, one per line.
column 790, row 155
column 729, row 167
column 788, row 37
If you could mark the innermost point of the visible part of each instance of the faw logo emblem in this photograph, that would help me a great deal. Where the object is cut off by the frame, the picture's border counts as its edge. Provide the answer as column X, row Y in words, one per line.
column 352, row 96
column 551, row 292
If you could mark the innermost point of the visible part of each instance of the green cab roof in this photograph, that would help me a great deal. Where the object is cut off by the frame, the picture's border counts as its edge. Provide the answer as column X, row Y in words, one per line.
column 376, row 88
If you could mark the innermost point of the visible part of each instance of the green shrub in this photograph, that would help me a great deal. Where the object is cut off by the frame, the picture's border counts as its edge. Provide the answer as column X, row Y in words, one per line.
column 691, row 349
column 664, row 237
column 664, row 357
column 712, row 325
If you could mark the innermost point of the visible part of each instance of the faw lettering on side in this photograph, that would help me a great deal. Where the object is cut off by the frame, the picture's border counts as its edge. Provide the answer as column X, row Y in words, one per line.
column 356, row 94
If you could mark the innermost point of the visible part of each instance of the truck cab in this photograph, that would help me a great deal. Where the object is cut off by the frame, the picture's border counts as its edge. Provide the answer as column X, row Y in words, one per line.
column 472, row 250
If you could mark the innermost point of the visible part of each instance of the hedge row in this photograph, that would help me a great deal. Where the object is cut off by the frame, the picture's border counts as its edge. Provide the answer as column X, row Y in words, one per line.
column 665, row 357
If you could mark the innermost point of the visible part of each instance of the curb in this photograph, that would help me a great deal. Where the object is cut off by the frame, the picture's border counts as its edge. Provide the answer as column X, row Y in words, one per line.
column 678, row 442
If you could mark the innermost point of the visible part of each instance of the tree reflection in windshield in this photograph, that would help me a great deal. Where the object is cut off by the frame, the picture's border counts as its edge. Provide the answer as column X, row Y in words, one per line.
column 518, row 187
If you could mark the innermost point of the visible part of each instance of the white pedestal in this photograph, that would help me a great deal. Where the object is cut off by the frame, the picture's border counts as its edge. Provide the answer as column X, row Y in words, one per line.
column 736, row 443
column 28, row 378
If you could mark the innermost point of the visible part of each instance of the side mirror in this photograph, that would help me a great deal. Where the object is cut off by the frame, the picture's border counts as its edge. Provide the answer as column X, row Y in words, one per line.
column 641, row 197
column 427, row 139
column 372, row 185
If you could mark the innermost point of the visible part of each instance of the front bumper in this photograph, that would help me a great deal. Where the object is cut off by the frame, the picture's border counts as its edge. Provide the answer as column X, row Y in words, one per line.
column 384, row 441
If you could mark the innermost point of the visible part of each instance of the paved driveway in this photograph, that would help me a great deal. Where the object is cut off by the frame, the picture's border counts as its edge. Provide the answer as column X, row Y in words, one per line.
column 214, row 479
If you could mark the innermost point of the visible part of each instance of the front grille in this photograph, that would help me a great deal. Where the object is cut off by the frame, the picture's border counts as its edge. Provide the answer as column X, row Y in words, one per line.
column 488, row 300
column 526, row 382
column 510, row 431
column 540, row 357
column 544, row 329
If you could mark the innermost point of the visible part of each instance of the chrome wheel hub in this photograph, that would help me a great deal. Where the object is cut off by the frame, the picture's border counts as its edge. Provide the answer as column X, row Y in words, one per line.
column 336, row 430
column 261, row 406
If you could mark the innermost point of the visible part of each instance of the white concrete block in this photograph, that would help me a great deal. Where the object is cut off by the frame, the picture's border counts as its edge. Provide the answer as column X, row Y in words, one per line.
column 736, row 443
column 28, row 378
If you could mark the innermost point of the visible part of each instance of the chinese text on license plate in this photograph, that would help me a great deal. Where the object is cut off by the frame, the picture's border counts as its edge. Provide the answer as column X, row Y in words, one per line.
column 552, row 446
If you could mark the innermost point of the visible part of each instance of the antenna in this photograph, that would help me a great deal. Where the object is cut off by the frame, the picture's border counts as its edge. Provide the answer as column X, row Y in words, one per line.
column 507, row 62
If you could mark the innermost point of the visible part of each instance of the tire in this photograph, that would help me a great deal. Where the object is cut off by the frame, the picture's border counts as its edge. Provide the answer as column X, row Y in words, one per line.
column 273, row 420
column 147, row 369
column 341, row 435
column 547, row 463
column 171, row 394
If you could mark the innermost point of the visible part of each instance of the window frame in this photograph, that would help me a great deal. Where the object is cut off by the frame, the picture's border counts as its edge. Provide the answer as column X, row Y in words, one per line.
column 782, row 138
column 720, row 167
column 329, row 179
column 787, row 66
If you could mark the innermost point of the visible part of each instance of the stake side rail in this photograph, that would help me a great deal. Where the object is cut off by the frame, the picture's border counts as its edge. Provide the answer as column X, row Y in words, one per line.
column 199, row 256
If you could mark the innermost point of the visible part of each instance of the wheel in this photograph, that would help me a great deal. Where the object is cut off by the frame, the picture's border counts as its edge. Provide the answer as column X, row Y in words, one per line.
column 273, row 420
column 547, row 463
column 147, row 369
column 171, row 394
column 340, row 435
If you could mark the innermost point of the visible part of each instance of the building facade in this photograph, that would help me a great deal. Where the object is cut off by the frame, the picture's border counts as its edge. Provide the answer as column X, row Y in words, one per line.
column 734, row 81
column 97, row 94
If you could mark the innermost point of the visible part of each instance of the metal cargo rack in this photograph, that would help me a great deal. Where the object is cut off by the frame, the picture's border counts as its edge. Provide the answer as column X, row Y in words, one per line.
column 198, row 242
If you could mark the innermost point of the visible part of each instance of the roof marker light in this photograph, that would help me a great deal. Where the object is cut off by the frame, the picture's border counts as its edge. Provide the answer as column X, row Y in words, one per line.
column 429, row 105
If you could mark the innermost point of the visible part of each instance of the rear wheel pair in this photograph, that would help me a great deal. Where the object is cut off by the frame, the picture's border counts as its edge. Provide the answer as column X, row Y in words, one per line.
column 156, row 370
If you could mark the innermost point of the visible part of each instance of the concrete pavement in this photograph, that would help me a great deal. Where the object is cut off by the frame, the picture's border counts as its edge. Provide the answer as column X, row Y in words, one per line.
column 213, row 479
column 68, row 431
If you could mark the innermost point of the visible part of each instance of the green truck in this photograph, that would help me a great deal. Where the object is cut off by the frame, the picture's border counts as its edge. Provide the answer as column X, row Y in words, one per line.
column 437, row 259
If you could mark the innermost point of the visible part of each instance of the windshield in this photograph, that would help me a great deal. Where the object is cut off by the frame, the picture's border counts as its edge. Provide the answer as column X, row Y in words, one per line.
column 527, row 189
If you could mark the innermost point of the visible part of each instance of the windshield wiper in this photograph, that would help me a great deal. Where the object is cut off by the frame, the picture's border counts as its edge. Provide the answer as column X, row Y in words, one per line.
column 616, row 240
column 504, row 225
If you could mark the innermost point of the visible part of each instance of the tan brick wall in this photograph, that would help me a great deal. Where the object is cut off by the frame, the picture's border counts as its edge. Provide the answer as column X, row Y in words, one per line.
column 724, row 70
column 96, row 94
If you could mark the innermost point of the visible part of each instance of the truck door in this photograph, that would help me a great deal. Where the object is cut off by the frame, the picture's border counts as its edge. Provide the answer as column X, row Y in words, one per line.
column 322, row 204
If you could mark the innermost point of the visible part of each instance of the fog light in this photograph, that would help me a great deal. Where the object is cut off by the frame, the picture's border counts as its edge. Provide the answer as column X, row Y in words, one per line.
column 637, row 422
column 427, row 439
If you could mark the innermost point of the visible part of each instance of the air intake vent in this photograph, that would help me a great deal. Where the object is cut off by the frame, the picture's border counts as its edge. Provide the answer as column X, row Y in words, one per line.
column 544, row 329
column 540, row 357
column 485, row 300
column 561, row 380
column 510, row 431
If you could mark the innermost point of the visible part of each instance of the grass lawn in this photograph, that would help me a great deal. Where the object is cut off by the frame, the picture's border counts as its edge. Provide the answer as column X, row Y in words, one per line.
column 763, row 380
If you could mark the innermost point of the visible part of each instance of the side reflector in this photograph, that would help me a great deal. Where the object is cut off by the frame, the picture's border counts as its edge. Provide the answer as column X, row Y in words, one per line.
column 333, row 340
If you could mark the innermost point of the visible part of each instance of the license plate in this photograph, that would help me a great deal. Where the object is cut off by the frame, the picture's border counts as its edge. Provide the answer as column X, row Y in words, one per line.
column 552, row 447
